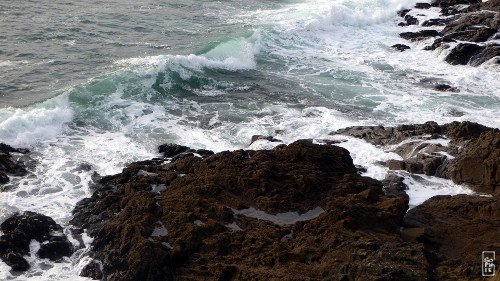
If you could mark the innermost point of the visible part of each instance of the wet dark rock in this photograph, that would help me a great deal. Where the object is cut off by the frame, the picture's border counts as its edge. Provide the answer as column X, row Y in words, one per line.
column 490, row 52
column 430, row 163
column 471, row 22
column 448, row 3
column 439, row 43
column 400, row 47
column 190, row 229
column 195, row 211
column 422, row 34
column 446, row 88
column 476, row 151
column 20, row 229
column 477, row 23
column 478, row 164
column 379, row 135
column 395, row 164
column 463, row 53
column 92, row 270
column 15, row 260
column 434, row 22
column 403, row 12
column 394, row 186
column 170, row 149
column 84, row 167
column 4, row 178
column 476, row 34
column 176, row 151
column 54, row 250
column 422, row 6
column 11, row 165
column 465, row 130
column 260, row 137
column 411, row 20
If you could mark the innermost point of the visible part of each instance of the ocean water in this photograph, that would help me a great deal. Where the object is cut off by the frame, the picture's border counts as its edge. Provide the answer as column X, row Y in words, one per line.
column 105, row 82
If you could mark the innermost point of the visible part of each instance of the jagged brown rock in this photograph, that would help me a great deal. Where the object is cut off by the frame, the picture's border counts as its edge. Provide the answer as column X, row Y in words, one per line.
column 166, row 221
column 476, row 151
column 198, row 236
column 455, row 230
column 478, row 165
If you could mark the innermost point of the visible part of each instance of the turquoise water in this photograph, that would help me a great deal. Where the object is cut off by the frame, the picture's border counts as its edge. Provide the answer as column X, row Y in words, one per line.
column 106, row 82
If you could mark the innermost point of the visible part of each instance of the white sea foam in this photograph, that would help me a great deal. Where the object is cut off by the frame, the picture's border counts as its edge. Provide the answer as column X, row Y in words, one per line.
column 236, row 54
column 233, row 226
column 24, row 127
column 159, row 230
column 422, row 187
column 281, row 218
column 367, row 155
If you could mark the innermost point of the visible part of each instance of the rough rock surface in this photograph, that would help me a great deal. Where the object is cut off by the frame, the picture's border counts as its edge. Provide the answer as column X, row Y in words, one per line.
column 9, row 164
column 478, row 165
column 454, row 230
column 474, row 151
column 19, row 230
column 297, row 212
column 470, row 22
column 189, row 228
column 422, row 34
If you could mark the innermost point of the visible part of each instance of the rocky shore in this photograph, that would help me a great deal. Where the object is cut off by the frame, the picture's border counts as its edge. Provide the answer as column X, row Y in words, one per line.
column 467, row 31
column 296, row 212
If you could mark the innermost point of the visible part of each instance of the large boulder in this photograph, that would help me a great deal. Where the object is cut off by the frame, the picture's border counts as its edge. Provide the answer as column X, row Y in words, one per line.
column 463, row 53
column 455, row 230
column 296, row 212
column 478, row 164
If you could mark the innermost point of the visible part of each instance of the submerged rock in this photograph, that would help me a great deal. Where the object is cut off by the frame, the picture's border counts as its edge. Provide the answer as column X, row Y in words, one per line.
column 18, row 232
column 446, row 88
column 400, row 47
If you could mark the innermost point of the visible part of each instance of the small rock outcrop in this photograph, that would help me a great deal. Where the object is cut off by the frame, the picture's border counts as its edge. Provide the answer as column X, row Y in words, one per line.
column 19, row 230
column 401, row 47
column 471, row 154
column 9, row 164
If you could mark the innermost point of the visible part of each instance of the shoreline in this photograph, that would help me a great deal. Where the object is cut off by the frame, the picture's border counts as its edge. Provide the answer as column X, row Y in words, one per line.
column 193, row 213
column 467, row 32
column 302, row 210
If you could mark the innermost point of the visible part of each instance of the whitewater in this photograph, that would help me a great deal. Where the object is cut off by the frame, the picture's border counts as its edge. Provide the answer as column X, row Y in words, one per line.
column 104, row 84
